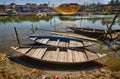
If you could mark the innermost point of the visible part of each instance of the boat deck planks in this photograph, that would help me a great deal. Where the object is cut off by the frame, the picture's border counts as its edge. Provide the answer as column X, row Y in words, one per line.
column 52, row 55
column 100, row 55
column 39, row 40
column 57, row 54
column 62, row 42
column 47, row 55
column 59, row 57
column 74, row 43
column 52, row 43
column 41, row 53
column 76, row 56
column 33, row 38
column 90, row 55
column 69, row 58
column 82, row 56
column 23, row 50
column 45, row 41
column 31, row 52
column 87, row 43
column 36, row 52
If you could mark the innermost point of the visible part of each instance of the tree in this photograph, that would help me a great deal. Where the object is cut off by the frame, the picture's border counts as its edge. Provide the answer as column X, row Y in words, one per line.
column 13, row 5
column 114, row 2
column 110, row 27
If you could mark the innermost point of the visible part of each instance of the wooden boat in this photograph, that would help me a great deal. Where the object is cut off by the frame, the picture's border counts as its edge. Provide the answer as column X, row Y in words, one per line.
column 60, row 41
column 58, row 54
column 91, row 31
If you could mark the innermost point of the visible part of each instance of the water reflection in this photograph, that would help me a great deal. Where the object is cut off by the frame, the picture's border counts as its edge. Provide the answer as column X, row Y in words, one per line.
column 5, row 19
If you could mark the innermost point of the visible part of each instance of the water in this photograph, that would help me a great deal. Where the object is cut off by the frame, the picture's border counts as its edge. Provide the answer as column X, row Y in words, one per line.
column 55, row 23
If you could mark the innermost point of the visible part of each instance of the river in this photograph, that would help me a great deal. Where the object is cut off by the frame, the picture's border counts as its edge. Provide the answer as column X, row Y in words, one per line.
column 54, row 23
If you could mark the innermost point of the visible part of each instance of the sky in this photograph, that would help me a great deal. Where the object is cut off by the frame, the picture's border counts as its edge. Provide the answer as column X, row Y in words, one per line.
column 55, row 2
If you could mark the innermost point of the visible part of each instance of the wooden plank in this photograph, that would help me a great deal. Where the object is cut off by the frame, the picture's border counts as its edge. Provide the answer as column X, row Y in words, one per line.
column 31, row 52
column 52, row 43
column 100, row 55
column 76, row 56
column 53, row 56
column 36, row 52
column 74, row 35
column 50, row 54
column 87, row 43
column 91, row 55
column 82, row 56
column 59, row 57
column 69, row 57
column 33, row 38
column 62, row 44
column 41, row 53
column 73, row 56
column 57, row 42
column 45, row 41
column 70, row 44
column 47, row 55
column 23, row 50
column 74, row 43
column 66, row 44
column 62, row 56
column 39, row 40
column 65, row 56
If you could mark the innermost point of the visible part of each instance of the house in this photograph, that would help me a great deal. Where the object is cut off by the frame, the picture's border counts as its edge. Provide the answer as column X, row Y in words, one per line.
column 43, row 8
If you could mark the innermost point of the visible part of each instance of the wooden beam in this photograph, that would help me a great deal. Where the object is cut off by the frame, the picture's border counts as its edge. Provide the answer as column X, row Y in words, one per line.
column 74, row 35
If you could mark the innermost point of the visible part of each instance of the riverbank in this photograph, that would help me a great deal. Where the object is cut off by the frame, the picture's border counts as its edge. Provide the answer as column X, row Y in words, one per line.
column 11, row 70
column 27, row 14
column 53, row 14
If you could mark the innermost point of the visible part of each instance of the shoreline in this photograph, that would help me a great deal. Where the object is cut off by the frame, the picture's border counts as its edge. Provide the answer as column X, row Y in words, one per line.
column 49, row 13
column 14, row 70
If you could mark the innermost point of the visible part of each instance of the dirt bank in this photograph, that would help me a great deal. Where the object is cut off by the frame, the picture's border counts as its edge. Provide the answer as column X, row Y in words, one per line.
column 11, row 70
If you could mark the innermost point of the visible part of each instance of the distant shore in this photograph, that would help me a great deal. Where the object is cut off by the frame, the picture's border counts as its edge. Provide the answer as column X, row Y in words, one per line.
column 5, row 14
column 50, row 13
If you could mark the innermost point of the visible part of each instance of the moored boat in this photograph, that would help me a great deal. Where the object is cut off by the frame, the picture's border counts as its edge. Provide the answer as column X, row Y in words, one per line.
column 60, row 41
column 92, row 31
column 58, row 54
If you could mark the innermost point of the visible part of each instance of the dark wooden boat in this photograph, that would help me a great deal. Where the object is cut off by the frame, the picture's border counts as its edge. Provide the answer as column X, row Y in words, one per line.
column 91, row 31
column 58, row 54
column 60, row 41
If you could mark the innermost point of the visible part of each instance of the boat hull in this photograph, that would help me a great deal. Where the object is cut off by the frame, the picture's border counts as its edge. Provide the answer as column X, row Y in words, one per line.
column 60, row 41
column 59, row 55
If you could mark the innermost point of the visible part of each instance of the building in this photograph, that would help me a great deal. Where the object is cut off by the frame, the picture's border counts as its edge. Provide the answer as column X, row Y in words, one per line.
column 43, row 8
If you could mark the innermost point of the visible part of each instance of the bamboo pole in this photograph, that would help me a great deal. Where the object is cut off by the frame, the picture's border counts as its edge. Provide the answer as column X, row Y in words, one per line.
column 33, row 30
column 17, row 37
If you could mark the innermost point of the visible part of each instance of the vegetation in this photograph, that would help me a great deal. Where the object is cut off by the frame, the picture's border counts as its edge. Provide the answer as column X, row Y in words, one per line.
column 24, row 18
column 114, row 2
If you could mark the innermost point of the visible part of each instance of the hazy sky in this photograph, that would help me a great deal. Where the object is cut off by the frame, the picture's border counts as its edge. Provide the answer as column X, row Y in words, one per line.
column 57, row 2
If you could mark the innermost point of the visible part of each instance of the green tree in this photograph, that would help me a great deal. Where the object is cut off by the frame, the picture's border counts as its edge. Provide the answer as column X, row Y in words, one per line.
column 13, row 6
